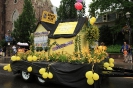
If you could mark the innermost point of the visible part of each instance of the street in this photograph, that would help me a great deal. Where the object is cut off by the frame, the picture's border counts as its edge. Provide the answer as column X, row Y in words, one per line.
column 9, row 80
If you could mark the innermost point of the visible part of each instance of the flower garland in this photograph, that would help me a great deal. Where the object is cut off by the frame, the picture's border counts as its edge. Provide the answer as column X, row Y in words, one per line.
column 125, row 29
column 91, row 34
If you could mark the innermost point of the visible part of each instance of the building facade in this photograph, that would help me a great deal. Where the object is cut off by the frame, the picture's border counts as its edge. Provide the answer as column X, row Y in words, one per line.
column 11, row 9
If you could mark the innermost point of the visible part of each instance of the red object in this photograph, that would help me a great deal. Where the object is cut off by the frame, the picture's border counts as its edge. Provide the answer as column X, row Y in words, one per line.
column 78, row 5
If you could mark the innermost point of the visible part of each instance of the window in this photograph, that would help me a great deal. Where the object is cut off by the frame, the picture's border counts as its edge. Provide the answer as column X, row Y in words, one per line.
column 105, row 18
column 15, row 16
column 15, row 1
column 119, row 15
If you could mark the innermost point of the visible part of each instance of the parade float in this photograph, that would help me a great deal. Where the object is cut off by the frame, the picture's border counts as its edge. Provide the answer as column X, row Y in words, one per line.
column 60, row 53
column 65, row 57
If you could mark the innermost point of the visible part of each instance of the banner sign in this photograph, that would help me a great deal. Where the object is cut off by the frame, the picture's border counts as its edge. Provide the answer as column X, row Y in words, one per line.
column 65, row 28
column 62, row 45
column 37, row 34
column 41, row 39
column 48, row 17
column 8, row 38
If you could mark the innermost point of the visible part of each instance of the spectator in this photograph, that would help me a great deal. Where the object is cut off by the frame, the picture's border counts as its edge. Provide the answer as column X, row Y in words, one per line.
column 102, row 46
column 4, row 51
column 14, row 49
column 124, row 49
column 129, row 54
column 1, row 51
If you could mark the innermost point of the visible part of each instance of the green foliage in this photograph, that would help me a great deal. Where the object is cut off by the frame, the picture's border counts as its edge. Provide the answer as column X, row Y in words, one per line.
column 32, row 42
column 110, row 6
column 67, row 10
column 105, row 35
column 39, row 48
column 77, row 47
column 100, row 7
column 25, row 24
column 91, row 34
column 62, row 58
column 2, row 43
column 114, row 49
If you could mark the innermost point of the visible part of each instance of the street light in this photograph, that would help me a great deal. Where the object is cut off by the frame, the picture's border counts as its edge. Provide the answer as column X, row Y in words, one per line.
column 128, row 16
column 9, row 32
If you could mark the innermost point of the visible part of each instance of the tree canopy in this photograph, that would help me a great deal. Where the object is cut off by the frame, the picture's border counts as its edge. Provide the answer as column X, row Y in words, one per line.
column 99, row 7
column 102, row 6
column 67, row 10
column 25, row 24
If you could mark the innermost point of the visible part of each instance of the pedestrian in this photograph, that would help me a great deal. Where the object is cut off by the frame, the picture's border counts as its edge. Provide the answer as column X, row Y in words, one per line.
column 14, row 49
column 1, row 51
column 4, row 51
column 124, row 50
column 129, row 54
column 102, row 46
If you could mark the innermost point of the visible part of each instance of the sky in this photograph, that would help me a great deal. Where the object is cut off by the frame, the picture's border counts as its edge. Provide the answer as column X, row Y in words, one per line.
column 57, row 3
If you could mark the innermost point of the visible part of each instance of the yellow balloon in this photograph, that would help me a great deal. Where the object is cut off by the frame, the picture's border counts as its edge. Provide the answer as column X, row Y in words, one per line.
column 45, row 75
column 90, row 81
column 106, row 64
column 111, row 64
column 89, row 74
column 17, row 58
column 95, row 76
column 109, row 68
column 34, row 58
column 92, row 20
column 8, row 65
column 13, row 58
column 50, row 75
column 42, row 70
column 5, row 67
column 29, row 69
column 111, row 60
column 29, row 58
column 9, row 69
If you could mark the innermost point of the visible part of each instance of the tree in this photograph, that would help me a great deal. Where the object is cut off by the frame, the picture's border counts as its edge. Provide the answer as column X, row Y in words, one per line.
column 68, row 11
column 25, row 24
column 100, row 7
column 105, row 35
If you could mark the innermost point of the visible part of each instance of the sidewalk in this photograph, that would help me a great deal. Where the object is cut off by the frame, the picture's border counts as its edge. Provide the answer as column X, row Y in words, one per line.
column 4, row 60
column 119, row 63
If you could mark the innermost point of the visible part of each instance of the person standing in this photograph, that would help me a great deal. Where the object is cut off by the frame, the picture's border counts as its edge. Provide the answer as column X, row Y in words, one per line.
column 124, row 49
column 14, row 49
column 4, row 51
column 129, row 54
column 1, row 51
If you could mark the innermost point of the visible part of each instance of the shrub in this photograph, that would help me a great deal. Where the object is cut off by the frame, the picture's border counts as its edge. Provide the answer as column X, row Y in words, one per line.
column 113, row 48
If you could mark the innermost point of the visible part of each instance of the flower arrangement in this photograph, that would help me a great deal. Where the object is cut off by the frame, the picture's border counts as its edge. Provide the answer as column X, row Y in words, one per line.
column 85, row 56
column 91, row 33
column 125, row 29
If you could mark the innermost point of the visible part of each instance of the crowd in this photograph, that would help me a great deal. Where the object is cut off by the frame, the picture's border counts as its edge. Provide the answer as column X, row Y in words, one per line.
column 3, row 50
column 126, row 49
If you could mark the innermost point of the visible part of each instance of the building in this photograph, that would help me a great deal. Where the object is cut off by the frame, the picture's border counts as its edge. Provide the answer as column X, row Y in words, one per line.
column 108, row 19
column 11, row 9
